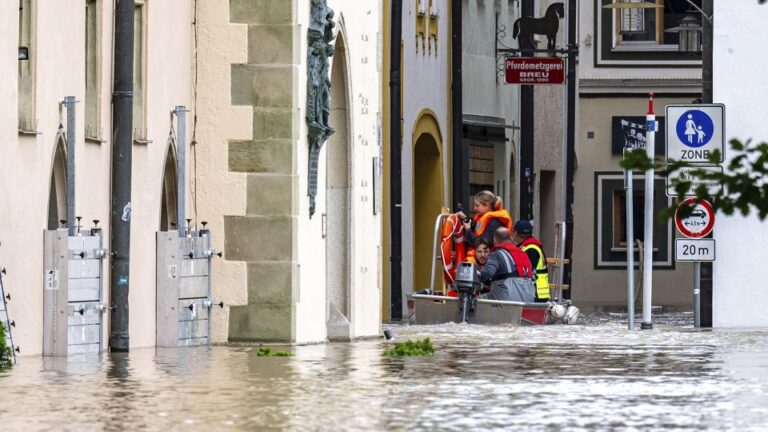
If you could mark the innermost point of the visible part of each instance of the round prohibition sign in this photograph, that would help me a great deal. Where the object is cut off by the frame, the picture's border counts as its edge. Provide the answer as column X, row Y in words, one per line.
column 699, row 222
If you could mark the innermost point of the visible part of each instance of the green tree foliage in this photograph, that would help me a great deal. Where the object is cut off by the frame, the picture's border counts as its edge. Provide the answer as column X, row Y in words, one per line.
column 6, row 355
column 419, row 347
column 743, row 187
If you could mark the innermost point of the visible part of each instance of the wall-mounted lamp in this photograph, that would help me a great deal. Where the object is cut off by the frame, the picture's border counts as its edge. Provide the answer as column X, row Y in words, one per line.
column 23, row 53
column 632, row 14
column 689, row 31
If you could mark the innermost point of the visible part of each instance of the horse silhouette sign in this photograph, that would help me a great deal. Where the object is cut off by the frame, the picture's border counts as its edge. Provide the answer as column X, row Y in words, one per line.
column 524, row 28
column 534, row 70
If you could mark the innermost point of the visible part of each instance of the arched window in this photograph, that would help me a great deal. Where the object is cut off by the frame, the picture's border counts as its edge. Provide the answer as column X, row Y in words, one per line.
column 169, row 204
column 57, row 198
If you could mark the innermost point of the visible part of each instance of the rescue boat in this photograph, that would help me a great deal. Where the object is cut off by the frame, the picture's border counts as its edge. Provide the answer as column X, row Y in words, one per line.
column 431, row 306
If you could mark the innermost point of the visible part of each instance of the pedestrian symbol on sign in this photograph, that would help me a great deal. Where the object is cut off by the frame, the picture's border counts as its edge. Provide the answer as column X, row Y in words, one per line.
column 695, row 128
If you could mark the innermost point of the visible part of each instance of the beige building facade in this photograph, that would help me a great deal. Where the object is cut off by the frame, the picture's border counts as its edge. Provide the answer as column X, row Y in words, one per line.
column 240, row 69
column 69, row 45
column 288, row 276
column 618, row 67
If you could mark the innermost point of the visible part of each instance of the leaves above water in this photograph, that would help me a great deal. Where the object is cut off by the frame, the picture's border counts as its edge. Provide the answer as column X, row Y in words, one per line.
column 419, row 347
column 6, row 355
column 743, row 185
column 267, row 352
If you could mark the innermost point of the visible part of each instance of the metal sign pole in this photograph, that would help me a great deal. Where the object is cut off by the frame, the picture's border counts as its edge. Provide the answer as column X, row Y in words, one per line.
column 69, row 103
column 650, row 120
column 697, row 294
column 181, row 167
column 629, row 198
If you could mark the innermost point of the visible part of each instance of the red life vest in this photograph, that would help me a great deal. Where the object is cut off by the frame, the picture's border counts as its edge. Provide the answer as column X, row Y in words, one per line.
column 522, row 263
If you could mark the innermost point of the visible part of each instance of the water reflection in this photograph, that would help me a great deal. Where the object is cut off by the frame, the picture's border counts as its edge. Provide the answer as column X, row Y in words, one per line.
column 590, row 376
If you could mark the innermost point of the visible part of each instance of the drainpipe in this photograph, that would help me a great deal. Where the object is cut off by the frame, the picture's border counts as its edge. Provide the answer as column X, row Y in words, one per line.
column 460, row 163
column 705, row 272
column 570, row 140
column 526, row 156
column 122, row 142
column 395, row 164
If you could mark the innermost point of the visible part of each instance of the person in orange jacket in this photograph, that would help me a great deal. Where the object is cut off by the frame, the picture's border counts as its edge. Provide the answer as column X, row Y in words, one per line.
column 490, row 215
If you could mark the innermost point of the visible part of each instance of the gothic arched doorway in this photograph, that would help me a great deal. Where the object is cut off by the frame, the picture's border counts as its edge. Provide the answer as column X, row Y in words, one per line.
column 338, row 243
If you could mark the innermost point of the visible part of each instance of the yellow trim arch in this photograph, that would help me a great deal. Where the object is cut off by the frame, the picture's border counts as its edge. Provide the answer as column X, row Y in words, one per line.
column 426, row 123
column 428, row 191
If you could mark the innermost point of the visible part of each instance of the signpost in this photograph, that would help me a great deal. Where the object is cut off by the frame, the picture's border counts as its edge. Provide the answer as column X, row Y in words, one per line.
column 534, row 70
column 696, row 225
column 694, row 132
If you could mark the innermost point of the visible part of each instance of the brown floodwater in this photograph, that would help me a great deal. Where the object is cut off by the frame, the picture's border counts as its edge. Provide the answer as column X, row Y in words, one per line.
column 594, row 375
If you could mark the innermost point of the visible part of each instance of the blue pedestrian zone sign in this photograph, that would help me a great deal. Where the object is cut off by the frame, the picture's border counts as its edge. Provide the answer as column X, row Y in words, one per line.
column 695, row 132
column 695, row 128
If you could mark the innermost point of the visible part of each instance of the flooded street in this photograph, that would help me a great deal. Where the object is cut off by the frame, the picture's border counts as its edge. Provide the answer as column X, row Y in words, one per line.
column 595, row 375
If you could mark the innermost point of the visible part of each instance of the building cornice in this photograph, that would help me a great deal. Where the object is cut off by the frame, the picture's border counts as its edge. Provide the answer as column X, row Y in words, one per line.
column 639, row 85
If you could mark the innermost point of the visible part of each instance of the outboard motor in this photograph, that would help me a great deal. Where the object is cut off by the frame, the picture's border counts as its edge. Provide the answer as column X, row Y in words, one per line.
column 571, row 314
column 468, row 285
column 565, row 313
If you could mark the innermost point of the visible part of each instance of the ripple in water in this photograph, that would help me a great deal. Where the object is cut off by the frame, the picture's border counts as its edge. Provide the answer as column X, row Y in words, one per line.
column 595, row 375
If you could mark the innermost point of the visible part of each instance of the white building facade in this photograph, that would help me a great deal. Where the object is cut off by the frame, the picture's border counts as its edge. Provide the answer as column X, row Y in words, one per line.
column 739, row 271
column 618, row 66
column 289, row 275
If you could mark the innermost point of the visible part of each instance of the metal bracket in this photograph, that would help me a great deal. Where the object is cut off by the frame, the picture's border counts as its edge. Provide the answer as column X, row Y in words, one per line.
column 503, row 50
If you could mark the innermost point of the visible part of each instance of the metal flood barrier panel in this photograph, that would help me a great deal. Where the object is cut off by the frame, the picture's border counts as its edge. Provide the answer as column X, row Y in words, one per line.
column 184, row 300
column 73, row 318
column 5, row 320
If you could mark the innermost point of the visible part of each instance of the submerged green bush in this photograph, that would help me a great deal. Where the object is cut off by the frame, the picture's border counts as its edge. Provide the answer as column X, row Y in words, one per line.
column 419, row 347
column 266, row 352
column 6, row 355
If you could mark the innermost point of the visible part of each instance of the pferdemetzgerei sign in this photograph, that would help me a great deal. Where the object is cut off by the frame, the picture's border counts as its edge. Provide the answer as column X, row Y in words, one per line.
column 534, row 70
column 695, row 131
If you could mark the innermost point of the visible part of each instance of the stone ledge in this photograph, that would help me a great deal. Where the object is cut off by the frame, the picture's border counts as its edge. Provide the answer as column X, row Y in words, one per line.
column 261, row 156
column 273, row 123
column 266, row 86
column 261, row 322
column 272, row 282
column 261, row 11
column 271, row 194
column 259, row 238
column 270, row 44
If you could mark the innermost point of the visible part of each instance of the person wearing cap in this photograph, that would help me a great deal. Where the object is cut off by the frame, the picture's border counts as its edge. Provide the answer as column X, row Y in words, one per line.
column 533, row 247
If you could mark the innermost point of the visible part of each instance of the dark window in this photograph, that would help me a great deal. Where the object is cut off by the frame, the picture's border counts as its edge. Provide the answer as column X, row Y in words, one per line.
column 641, row 34
column 610, row 221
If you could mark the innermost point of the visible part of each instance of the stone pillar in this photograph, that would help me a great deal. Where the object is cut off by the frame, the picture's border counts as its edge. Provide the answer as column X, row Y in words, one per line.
column 265, row 238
